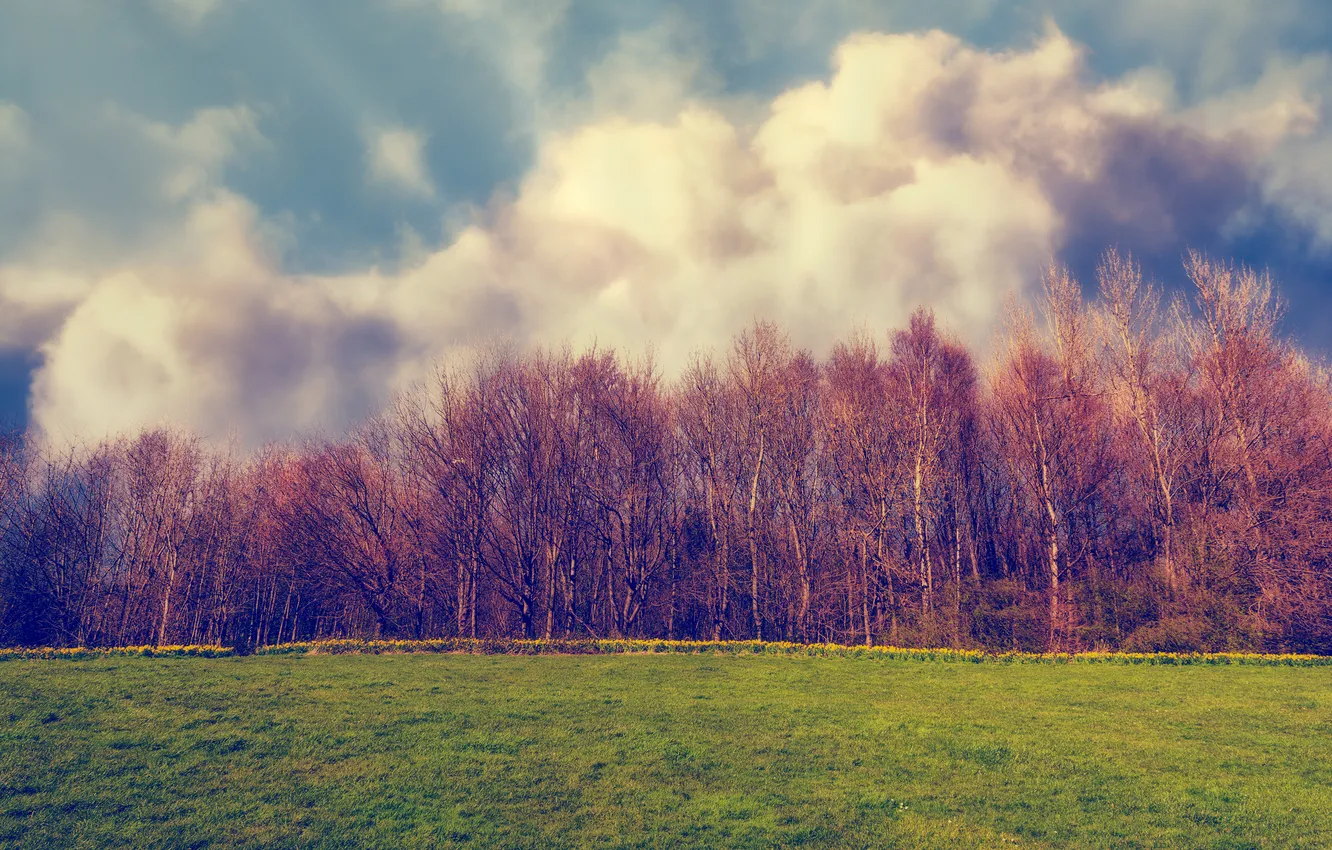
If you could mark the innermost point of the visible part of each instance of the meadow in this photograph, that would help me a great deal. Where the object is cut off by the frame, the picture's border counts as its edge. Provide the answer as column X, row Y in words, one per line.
column 660, row 750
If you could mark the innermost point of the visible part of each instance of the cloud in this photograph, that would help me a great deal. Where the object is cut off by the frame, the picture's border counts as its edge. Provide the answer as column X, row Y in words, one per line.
column 1282, row 118
column 919, row 170
column 519, row 38
column 15, row 143
column 218, row 342
column 13, row 129
column 395, row 159
column 648, row 75
column 200, row 147
column 73, row 218
column 924, row 171
column 190, row 13
column 1214, row 47
column 187, row 318
column 114, row 179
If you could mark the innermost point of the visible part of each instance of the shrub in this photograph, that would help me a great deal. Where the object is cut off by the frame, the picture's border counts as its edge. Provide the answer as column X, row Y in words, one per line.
column 1171, row 634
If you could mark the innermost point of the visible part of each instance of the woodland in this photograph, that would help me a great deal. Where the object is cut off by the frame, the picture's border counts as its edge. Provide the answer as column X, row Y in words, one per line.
column 1123, row 471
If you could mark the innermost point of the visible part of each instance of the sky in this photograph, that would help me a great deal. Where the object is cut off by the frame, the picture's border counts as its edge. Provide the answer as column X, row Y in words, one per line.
column 259, row 218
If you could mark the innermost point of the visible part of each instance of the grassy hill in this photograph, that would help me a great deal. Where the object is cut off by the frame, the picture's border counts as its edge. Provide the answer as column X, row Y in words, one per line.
column 712, row 750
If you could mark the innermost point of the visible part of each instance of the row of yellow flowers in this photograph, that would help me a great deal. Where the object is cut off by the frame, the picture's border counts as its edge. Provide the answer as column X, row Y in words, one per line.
column 78, row 652
column 504, row 646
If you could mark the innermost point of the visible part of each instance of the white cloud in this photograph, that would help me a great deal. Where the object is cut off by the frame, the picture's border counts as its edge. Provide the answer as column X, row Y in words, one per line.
column 189, row 13
column 71, row 242
column 200, row 148
column 395, row 158
column 212, row 338
column 1217, row 45
column 923, row 171
column 13, row 129
column 1284, row 118
column 1284, row 102
column 649, row 75
column 34, row 301
column 86, row 208
column 518, row 36
column 845, row 207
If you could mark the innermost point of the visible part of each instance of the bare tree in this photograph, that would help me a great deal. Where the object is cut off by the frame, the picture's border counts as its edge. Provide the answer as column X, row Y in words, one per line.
column 864, row 458
column 1149, row 383
column 758, row 357
column 1052, row 424
column 708, row 410
column 1124, row 477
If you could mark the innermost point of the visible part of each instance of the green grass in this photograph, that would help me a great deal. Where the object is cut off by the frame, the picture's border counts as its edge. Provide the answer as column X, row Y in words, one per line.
column 660, row 751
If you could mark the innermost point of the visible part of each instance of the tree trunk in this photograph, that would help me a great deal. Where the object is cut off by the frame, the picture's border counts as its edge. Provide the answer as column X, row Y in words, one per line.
column 753, row 545
column 166, row 599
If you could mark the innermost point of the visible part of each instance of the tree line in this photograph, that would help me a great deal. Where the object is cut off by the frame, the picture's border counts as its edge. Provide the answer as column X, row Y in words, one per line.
column 1119, row 472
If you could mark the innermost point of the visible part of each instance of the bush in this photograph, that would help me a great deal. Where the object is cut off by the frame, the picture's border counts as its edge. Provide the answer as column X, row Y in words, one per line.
column 1170, row 634
column 240, row 642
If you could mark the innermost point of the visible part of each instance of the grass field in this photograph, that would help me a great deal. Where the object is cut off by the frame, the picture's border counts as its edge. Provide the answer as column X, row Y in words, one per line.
column 660, row 751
